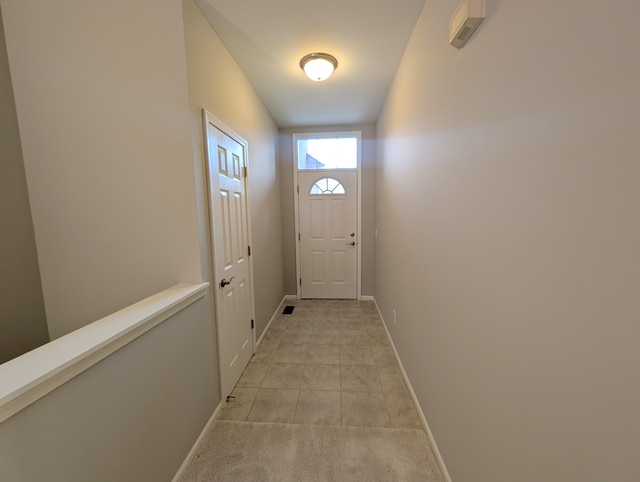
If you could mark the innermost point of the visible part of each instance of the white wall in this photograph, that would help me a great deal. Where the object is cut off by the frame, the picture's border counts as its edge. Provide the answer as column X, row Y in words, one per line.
column 217, row 84
column 23, row 325
column 368, row 200
column 507, row 208
column 101, row 97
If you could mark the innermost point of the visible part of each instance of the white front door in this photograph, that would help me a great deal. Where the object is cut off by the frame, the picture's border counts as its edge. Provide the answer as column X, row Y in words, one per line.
column 327, row 208
column 226, row 160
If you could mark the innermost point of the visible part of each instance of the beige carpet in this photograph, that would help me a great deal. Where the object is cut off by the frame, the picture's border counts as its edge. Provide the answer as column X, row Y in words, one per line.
column 243, row 451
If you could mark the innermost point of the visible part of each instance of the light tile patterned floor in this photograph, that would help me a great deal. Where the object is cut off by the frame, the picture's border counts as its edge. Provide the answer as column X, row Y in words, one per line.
column 329, row 363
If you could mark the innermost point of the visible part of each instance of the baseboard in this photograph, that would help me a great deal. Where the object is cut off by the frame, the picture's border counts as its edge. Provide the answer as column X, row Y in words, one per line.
column 367, row 298
column 273, row 317
column 432, row 440
column 290, row 297
column 196, row 446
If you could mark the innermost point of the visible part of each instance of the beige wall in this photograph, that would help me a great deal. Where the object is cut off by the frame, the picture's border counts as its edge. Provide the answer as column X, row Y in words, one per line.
column 102, row 103
column 23, row 325
column 508, row 208
column 285, row 153
column 217, row 84
column 102, row 107
column 132, row 417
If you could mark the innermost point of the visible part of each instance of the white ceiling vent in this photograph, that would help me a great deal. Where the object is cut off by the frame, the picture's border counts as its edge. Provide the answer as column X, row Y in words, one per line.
column 465, row 20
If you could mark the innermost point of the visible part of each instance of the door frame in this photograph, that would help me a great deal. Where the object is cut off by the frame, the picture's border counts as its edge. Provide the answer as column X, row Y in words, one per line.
column 209, row 118
column 296, row 194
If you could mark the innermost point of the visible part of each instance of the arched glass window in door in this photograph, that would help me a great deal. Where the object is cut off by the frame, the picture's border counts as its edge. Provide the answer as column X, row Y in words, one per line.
column 327, row 185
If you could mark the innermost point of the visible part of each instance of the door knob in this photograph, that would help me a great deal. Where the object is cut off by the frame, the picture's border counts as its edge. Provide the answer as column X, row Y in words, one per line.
column 352, row 243
column 224, row 282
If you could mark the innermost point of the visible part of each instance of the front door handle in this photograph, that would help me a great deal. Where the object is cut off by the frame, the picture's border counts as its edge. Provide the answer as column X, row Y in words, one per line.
column 224, row 282
column 352, row 243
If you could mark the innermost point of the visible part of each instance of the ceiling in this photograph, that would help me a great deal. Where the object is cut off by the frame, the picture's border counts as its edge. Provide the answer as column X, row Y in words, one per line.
column 267, row 38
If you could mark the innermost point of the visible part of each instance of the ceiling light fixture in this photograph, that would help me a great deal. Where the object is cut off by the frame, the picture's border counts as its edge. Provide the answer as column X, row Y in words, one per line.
column 318, row 66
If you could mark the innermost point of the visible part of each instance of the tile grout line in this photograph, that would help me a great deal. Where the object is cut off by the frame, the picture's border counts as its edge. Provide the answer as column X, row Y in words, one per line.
column 340, row 371
column 384, row 398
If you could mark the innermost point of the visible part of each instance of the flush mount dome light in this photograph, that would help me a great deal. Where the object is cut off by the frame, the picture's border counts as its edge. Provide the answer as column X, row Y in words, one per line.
column 318, row 66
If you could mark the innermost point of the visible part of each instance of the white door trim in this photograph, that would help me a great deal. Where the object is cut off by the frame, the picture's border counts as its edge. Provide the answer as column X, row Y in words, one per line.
column 209, row 118
column 317, row 135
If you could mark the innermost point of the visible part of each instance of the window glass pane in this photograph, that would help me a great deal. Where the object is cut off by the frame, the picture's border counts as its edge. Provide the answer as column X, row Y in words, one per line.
column 328, row 153
column 327, row 185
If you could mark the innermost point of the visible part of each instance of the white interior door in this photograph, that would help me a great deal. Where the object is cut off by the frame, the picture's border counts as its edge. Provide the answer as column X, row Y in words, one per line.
column 226, row 160
column 327, row 208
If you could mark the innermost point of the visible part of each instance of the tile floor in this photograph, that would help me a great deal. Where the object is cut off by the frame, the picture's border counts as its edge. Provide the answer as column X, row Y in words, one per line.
column 329, row 363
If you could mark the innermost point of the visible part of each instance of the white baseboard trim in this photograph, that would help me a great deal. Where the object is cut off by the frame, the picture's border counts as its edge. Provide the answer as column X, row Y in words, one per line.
column 273, row 317
column 290, row 297
column 196, row 446
column 432, row 440
column 367, row 298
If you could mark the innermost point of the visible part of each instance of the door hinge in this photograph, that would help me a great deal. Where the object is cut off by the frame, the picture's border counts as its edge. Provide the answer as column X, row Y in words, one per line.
column 244, row 171
column 298, row 236
column 249, row 250
column 300, row 281
column 252, row 324
column 298, row 188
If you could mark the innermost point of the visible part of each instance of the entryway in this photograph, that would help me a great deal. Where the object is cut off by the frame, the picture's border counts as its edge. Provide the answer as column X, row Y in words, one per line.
column 329, row 362
column 327, row 214
column 322, row 399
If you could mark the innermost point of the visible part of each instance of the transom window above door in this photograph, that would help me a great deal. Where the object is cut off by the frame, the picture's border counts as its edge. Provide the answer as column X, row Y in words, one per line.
column 327, row 168
column 324, row 152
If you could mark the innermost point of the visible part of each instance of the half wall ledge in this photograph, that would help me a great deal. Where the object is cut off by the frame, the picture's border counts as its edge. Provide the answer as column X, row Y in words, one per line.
column 29, row 377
